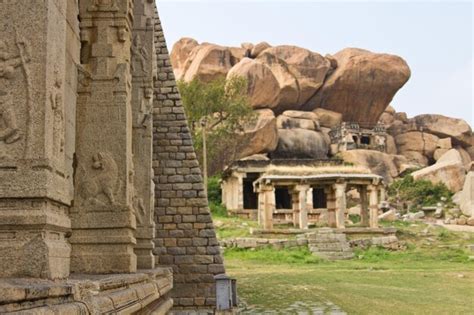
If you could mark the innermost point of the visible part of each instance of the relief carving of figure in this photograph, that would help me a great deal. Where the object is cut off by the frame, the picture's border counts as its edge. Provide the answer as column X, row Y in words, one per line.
column 8, row 61
column 57, row 106
column 137, row 202
column 146, row 107
column 99, row 179
column 139, row 54
column 9, row 132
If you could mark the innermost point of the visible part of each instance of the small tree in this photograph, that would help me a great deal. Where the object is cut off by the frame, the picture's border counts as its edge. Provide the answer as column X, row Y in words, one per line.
column 217, row 111
column 418, row 193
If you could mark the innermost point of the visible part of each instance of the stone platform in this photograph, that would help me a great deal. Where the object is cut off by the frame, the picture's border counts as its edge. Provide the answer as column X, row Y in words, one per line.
column 144, row 292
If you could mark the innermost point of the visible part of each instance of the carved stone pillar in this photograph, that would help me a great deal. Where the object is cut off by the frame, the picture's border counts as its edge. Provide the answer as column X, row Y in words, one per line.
column 374, row 206
column 340, row 192
column 331, row 204
column 37, row 108
column 103, row 218
column 300, row 208
column 382, row 194
column 364, row 206
column 266, row 206
column 142, row 65
column 240, row 191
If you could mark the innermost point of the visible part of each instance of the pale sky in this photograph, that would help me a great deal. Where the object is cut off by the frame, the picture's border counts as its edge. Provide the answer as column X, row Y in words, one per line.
column 435, row 38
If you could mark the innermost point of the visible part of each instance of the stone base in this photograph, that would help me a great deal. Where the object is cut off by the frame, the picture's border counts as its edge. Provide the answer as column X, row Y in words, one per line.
column 144, row 292
column 33, row 239
column 103, row 258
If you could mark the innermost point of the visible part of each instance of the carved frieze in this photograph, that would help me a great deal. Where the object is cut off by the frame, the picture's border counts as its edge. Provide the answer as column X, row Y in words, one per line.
column 15, row 103
column 98, row 180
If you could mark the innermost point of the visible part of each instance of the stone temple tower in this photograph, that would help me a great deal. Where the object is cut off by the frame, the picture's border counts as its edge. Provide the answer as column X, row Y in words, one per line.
column 100, row 188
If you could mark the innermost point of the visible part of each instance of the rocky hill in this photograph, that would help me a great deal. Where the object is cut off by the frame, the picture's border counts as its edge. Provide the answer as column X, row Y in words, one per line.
column 299, row 95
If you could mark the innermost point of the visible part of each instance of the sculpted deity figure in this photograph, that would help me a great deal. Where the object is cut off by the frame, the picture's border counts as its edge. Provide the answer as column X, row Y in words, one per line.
column 9, row 132
column 8, row 63
column 58, row 111
column 139, row 54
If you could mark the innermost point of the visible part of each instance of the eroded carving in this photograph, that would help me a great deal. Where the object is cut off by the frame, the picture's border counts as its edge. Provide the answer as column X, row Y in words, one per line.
column 84, row 77
column 139, row 55
column 103, row 5
column 9, row 132
column 146, row 107
column 56, row 99
column 99, row 181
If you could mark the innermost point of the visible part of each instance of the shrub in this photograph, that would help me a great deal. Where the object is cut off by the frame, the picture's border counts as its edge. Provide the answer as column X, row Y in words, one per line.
column 418, row 193
column 217, row 210
column 214, row 190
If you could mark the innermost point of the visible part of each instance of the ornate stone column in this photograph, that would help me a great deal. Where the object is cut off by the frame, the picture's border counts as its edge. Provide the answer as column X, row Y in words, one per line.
column 364, row 206
column 374, row 206
column 331, row 204
column 340, row 192
column 300, row 208
column 143, row 66
column 39, row 40
column 266, row 206
column 103, row 218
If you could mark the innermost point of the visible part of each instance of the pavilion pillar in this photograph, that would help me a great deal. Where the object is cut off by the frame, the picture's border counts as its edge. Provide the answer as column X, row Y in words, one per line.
column 300, row 207
column 340, row 194
column 103, row 216
column 240, row 191
column 374, row 206
column 331, row 205
column 364, row 206
column 266, row 206
column 383, row 195
column 142, row 66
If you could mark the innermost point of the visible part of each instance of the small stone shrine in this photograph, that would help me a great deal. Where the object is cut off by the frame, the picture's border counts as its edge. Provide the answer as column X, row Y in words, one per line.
column 351, row 136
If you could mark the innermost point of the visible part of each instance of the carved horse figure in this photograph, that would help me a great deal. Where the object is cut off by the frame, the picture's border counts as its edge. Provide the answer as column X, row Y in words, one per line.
column 100, row 179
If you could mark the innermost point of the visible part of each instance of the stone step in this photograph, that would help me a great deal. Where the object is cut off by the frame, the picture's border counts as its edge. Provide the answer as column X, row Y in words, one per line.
column 327, row 244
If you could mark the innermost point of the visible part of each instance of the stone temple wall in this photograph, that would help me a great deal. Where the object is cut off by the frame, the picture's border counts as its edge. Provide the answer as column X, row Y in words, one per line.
column 102, row 204
column 185, row 236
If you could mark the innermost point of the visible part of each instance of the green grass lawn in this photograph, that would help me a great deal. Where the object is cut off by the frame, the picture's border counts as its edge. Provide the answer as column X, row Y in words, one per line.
column 433, row 276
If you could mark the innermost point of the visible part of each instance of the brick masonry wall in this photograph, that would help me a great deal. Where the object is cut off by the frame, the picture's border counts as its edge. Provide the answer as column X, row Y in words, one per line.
column 185, row 236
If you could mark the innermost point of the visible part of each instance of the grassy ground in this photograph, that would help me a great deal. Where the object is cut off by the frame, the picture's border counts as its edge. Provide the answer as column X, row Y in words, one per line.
column 432, row 276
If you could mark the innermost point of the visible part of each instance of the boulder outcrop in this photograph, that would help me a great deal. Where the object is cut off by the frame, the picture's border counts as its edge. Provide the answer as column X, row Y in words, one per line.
column 180, row 53
column 449, row 169
column 301, row 143
column 328, row 118
column 309, row 68
column 386, row 165
column 260, row 136
column 207, row 62
column 466, row 195
column 263, row 87
column 362, row 85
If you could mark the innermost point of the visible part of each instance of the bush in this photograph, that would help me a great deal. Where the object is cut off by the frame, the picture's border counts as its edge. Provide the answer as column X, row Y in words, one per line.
column 214, row 190
column 418, row 193
column 217, row 210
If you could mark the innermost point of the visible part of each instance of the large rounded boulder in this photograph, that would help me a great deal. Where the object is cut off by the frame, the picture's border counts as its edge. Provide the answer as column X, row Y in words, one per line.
column 260, row 135
column 263, row 87
column 442, row 126
column 301, row 143
column 180, row 53
column 362, row 86
column 309, row 68
column 208, row 62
